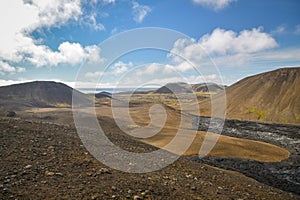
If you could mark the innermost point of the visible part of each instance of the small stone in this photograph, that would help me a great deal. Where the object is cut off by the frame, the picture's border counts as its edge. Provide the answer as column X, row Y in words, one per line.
column 114, row 188
column 129, row 191
column 47, row 173
column 89, row 173
column 27, row 166
column 51, row 147
column 147, row 191
column 105, row 171
column 11, row 114
column 136, row 197
column 7, row 181
column 95, row 196
column 188, row 175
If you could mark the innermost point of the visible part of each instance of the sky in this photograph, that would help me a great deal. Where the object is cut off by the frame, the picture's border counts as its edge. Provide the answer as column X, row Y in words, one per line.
column 81, row 42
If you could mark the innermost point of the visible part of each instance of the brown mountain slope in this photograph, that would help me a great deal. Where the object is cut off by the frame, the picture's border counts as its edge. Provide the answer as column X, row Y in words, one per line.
column 271, row 97
column 37, row 94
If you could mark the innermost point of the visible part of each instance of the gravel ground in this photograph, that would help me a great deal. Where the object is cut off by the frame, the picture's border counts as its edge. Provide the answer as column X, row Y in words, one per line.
column 48, row 161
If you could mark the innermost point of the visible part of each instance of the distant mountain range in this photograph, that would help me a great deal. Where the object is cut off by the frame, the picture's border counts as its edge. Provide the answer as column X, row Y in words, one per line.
column 181, row 87
column 272, row 96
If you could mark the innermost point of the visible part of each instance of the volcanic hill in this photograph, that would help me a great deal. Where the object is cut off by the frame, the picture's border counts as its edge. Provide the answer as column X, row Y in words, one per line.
column 170, row 88
column 38, row 94
column 207, row 87
column 270, row 97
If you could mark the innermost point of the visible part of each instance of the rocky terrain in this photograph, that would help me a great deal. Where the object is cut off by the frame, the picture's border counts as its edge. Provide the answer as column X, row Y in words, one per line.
column 284, row 175
column 47, row 161
column 42, row 157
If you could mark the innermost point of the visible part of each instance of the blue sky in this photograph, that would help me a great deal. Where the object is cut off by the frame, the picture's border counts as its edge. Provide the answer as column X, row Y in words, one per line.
column 55, row 40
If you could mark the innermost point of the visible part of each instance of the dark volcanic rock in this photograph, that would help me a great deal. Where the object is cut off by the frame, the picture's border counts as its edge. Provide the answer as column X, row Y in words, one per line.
column 284, row 175
column 11, row 114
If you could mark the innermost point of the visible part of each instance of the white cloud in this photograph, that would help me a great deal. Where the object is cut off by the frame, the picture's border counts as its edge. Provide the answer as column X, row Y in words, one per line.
column 20, row 69
column 67, row 53
column 139, row 11
column 77, row 84
column 279, row 30
column 214, row 4
column 297, row 29
column 154, row 69
column 29, row 15
column 96, row 74
column 108, row 1
column 11, row 82
column 89, row 19
column 56, row 13
column 193, row 79
column 282, row 55
column 223, row 43
column 247, row 41
column 183, row 66
column 92, row 54
column 7, row 68
column 120, row 67
column 92, row 22
column 114, row 31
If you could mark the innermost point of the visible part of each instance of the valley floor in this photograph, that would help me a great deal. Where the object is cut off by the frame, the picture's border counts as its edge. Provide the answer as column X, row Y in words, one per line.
column 40, row 160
